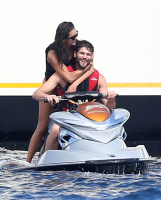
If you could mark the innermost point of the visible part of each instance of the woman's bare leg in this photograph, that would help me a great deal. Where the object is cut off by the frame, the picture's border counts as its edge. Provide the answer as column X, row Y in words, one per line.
column 45, row 110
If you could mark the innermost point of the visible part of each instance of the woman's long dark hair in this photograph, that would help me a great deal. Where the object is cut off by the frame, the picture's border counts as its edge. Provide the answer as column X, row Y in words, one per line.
column 62, row 33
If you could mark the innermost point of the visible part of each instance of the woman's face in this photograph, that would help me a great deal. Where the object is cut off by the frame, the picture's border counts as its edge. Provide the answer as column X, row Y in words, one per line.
column 73, row 34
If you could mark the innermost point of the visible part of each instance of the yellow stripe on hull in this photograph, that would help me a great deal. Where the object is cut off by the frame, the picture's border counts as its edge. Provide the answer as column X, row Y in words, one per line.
column 113, row 85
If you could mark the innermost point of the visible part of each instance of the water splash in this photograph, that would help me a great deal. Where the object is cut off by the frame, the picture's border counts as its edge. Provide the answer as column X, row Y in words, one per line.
column 14, row 159
column 7, row 163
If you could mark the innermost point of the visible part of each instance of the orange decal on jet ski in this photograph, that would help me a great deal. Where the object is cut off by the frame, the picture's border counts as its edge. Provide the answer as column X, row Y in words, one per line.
column 94, row 111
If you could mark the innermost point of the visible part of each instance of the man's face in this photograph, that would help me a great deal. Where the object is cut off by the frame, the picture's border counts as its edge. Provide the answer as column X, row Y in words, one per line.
column 83, row 57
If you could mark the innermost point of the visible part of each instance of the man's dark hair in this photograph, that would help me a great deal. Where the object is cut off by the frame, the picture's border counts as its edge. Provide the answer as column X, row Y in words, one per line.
column 84, row 43
column 62, row 32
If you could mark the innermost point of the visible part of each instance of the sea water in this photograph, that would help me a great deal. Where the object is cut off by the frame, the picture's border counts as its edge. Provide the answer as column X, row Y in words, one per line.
column 77, row 185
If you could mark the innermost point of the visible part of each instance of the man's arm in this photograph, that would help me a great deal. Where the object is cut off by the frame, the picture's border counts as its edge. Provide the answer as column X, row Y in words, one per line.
column 45, row 90
column 110, row 101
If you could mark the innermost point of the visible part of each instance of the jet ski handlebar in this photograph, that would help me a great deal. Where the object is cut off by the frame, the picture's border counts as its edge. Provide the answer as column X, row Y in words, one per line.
column 88, row 95
column 81, row 96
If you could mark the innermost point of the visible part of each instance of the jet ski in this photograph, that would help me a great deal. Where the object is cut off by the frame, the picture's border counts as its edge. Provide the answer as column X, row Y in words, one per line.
column 92, row 139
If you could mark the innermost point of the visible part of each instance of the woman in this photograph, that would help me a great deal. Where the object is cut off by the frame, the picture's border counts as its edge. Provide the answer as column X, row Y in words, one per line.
column 59, row 54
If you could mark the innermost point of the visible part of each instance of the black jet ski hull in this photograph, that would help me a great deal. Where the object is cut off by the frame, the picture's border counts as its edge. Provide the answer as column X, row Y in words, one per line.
column 120, row 166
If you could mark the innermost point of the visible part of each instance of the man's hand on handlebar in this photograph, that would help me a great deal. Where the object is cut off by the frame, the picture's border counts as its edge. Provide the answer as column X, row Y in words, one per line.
column 111, row 95
column 52, row 99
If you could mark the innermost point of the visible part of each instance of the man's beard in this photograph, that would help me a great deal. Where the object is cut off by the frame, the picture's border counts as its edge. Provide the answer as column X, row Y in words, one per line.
column 79, row 65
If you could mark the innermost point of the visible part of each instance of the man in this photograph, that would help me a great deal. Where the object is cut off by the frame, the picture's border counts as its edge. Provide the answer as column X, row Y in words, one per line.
column 83, row 56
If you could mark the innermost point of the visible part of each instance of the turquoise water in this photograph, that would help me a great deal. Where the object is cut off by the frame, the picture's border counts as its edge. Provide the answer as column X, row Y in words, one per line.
column 77, row 185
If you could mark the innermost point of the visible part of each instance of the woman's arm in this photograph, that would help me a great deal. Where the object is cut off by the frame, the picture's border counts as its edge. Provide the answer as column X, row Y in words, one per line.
column 63, row 71
column 74, row 85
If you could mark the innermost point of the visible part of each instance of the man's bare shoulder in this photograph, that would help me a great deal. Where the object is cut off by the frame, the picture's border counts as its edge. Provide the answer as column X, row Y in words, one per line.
column 58, row 80
column 101, row 77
